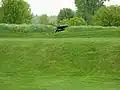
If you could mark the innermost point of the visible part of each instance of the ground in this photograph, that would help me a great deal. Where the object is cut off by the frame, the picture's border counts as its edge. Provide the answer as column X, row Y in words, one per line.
column 29, row 82
column 59, row 64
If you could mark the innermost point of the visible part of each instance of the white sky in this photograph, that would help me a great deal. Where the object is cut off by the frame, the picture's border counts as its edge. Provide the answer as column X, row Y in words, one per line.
column 113, row 2
column 52, row 7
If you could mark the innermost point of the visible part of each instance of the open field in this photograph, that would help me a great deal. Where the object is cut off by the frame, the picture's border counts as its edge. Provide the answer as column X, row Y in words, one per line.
column 60, row 64
column 59, row 45
column 42, row 31
column 77, row 59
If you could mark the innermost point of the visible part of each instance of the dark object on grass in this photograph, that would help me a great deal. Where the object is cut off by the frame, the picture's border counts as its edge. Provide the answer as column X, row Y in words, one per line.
column 61, row 28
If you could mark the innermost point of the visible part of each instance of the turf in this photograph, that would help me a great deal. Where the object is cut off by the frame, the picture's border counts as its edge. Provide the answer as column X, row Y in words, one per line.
column 71, row 32
column 59, row 83
column 79, row 58
column 60, row 64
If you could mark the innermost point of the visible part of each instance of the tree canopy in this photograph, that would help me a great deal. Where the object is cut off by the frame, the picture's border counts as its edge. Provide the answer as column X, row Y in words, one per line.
column 43, row 19
column 65, row 13
column 107, row 16
column 1, row 14
column 16, row 11
column 88, row 8
column 76, row 21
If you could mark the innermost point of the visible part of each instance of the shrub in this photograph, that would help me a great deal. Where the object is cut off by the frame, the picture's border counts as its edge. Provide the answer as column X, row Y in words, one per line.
column 65, row 13
column 26, row 28
column 43, row 19
column 64, row 21
column 107, row 16
column 76, row 21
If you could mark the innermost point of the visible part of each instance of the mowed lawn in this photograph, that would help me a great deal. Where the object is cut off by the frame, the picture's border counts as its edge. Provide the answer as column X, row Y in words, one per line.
column 60, row 64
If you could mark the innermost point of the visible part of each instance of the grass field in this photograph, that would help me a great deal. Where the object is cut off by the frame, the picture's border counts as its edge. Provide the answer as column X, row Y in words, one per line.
column 48, row 32
column 89, row 61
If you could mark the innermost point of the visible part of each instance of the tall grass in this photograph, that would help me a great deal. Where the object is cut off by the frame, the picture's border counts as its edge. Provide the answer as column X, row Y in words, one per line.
column 26, row 28
column 90, row 28
column 48, row 31
column 89, row 32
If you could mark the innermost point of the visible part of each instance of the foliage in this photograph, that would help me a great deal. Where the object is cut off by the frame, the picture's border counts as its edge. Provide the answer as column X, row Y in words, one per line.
column 88, row 8
column 52, row 20
column 107, row 16
column 90, row 32
column 26, row 28
column 1, row 14
column 65, row 13
column 43, row 19
column 47, row 31
column 64, row 21
column 76, row 21
column 53, row 23
column 16, row 11
column 35, row 19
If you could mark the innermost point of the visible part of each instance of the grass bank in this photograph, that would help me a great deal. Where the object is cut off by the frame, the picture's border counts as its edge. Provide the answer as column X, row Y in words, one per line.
column 60, row 64
column 34, row 58
column 47, row 31
column 60, row 56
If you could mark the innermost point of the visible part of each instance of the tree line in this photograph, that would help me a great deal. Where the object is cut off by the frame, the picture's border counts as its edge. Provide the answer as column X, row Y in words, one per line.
column 89, row 12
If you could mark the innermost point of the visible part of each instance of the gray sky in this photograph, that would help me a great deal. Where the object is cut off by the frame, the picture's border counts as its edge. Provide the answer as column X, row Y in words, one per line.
column 52, row 7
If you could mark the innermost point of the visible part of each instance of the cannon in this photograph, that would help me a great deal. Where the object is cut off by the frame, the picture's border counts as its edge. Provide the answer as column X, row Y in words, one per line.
column 61, row 28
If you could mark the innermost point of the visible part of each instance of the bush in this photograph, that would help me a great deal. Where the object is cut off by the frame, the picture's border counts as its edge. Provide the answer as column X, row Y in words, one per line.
column 76, row 21
column 65, row 13
column 43, row 19
column 107, row 16
column 26, row 28
column 91, row 28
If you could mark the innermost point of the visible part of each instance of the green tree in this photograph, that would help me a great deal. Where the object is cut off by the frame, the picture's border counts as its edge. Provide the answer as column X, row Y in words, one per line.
column 16, row 12
column 107, row 16
column 52, row 20
column 88, row 8
column 1, row 14
column 65, row 13
column 43, row 19
column 76, row 21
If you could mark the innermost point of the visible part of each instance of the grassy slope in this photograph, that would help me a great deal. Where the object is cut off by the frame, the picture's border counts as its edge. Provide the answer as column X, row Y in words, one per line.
column 80, row 58
column 71, row 32
column 89, row 32
column 66, row 56
column 57, row 64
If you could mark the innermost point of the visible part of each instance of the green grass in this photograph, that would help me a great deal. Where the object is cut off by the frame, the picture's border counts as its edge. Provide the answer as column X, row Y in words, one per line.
column 59, row 83
column 60, row 64
column 90, row 32
column 44, row 31
column 33, row 57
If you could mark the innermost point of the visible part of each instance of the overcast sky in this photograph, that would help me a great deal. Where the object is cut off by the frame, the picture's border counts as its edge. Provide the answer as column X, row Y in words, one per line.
column 52, row 7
